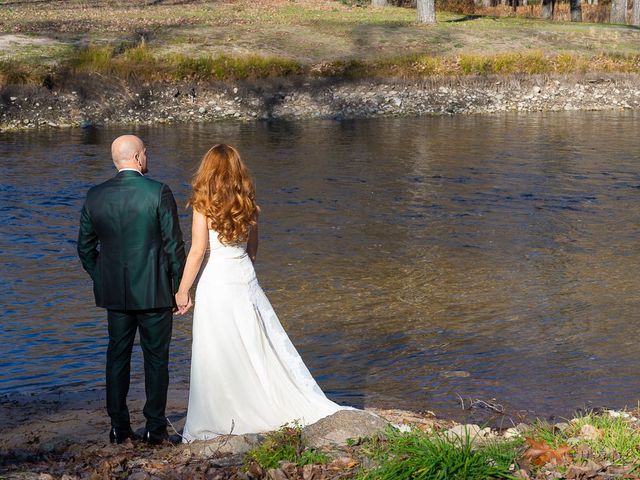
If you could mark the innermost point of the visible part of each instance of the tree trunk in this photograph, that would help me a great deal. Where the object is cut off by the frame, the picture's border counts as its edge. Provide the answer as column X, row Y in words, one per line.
column 576, row 11
column 379, row 3
column 488, row 3
column 426, row 11
column 618, row 11
column 635, row 15
column 547, row 13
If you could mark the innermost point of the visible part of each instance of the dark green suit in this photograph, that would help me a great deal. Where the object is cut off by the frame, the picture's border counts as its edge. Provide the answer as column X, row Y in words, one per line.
column 135, row 271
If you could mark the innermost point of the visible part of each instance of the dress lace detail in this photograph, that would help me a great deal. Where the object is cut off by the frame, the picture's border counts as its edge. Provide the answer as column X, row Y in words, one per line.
column 245, row 371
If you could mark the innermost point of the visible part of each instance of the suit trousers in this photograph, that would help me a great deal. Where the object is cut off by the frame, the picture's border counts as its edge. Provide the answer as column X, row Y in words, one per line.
column 155, row 336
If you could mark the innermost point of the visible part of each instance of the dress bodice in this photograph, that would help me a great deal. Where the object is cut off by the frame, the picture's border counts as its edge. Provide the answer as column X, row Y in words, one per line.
column 223, row 250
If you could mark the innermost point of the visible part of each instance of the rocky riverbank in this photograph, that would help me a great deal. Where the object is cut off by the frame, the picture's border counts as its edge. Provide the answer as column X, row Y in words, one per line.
column 97, row 101
column 64, row 435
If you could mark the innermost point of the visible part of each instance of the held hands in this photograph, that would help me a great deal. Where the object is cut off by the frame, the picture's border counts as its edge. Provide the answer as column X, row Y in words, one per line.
column 184, row 302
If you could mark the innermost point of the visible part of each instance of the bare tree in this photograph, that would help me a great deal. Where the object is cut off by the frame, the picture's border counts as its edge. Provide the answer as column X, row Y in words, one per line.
column 635, row 14
column 426, row 11
column 576, row 11
column 618, row 11
column 548, row 7
column 379, row 3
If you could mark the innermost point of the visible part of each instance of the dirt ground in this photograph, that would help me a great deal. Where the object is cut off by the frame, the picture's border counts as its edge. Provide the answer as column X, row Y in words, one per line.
column 49, row 422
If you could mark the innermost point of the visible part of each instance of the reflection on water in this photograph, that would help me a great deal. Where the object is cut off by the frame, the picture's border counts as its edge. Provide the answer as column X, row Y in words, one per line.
column 411, row 260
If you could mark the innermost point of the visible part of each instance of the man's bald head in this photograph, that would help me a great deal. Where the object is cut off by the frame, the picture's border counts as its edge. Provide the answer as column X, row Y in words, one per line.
column 128, row 151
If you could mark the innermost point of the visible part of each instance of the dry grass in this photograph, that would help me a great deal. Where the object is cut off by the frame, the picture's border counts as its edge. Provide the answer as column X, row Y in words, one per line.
column 241, row 39
column 138, row 63
column 590, row 13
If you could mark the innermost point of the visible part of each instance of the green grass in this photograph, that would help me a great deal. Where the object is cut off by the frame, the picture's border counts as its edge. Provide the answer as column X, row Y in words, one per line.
column 431, row 456
column 619, row 441
column 284, row 444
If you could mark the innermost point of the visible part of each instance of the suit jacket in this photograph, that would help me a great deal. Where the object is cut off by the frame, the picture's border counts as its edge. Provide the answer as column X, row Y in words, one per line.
column 140, row 259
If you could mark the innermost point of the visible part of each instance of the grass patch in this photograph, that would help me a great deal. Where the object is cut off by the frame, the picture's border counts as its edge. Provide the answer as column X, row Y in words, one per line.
column 19, row 73
column 528, row 63
column 612, row 438
column 284, row 445
column 426, row 456
column 139, row 62
column 225, row 67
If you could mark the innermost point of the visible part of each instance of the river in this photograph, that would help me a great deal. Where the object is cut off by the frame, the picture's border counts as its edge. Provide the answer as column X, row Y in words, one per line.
column 413, row 261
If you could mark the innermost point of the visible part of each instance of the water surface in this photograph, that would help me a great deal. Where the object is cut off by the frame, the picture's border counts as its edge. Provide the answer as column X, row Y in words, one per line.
column 412, row 261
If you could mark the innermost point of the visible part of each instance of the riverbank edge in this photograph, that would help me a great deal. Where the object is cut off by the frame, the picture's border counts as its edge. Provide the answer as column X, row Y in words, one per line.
column 93, row 100
column 63, row 434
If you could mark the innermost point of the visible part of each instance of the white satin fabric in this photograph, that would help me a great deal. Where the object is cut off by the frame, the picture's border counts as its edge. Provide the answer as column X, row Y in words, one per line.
column 245, row 372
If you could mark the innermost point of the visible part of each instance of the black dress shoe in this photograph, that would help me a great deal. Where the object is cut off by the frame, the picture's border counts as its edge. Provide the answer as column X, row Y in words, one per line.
column 119, row 435
column 154, row 438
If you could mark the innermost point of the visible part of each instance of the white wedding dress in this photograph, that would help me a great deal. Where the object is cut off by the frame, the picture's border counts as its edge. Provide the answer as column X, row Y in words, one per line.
column 246, row 375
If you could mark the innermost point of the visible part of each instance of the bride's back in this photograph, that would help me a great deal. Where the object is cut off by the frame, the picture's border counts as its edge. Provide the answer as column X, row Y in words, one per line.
column 227, row 263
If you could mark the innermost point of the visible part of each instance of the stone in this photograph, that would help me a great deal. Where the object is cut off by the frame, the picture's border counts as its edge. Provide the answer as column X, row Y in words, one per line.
column 202, row 110
column 469, row 432
column 336, row 429
column 512, row 432
column 223, row 444
column 455, row 374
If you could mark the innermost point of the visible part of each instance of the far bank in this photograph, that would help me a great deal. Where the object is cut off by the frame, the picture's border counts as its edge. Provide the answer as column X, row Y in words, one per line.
column 90, row 100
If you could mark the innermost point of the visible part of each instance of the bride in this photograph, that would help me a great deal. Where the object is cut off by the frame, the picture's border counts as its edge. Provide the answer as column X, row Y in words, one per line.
column 246, row 375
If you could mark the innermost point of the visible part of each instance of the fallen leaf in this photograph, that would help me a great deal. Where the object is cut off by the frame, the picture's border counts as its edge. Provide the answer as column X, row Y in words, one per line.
column 310, row 472
column 540, row 453
column 590, row 470
column 522, row 475
column 589, row 432
column 276, row 474
column 343, row 463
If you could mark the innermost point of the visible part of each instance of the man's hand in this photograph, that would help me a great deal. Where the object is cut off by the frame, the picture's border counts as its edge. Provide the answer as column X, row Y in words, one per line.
column 184, row 303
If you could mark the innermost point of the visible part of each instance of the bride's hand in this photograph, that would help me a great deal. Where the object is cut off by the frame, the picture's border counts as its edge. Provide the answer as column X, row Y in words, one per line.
column 184, row 303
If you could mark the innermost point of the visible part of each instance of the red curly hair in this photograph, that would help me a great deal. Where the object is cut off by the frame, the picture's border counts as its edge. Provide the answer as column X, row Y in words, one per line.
column 224, row 193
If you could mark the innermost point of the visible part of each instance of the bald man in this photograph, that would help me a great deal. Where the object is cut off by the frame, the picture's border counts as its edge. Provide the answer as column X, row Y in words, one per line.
column 131, row 245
